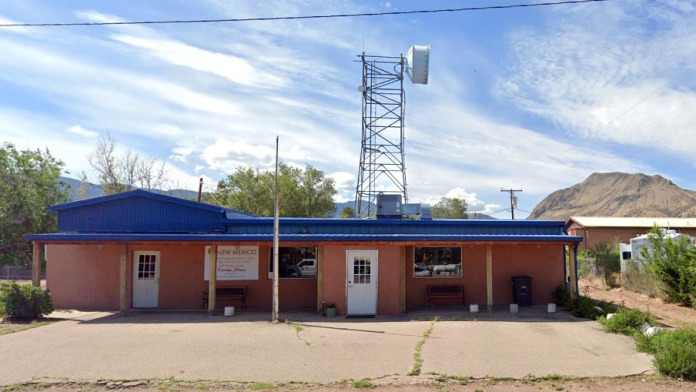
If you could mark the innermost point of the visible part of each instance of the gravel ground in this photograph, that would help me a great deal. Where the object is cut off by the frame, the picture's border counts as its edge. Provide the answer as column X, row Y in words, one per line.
column 413, row 384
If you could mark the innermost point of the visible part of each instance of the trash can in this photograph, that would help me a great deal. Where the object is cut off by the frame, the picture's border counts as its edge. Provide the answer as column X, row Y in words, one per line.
column 522, row 290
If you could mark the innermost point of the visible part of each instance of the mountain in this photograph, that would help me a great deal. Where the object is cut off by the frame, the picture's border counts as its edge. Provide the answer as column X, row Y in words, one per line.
column 77, row 190
column 620, row 195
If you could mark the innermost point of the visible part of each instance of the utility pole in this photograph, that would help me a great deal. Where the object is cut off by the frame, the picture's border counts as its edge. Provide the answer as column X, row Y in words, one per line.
column 513, row 200
column 276, row 239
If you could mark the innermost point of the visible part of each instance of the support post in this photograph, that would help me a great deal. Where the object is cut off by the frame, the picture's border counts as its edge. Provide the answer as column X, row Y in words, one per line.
column 573, row 269
column 402, row 283
column 320, row 278
column 123, row 281
column 36, row 264
column 212, row 278
column 489, row 277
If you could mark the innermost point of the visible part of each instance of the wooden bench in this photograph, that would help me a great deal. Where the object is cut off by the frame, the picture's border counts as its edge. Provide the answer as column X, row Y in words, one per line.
column 224, row 296
column 451, row 294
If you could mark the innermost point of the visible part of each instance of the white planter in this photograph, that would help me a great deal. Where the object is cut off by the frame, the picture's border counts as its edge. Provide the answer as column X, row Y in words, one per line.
column 551, row 308
column 474, row 308
column 229, row 311
column 514, row 308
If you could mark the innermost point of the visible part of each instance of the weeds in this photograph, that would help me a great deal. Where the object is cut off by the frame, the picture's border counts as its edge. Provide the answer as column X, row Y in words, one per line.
column 418, row 353
column 261, row 386
column 363, row 384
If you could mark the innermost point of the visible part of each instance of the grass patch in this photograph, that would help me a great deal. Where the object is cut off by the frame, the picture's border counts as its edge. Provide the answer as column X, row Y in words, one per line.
column 261, row 386
column 12, row 327
column 627, row 321
column 363, row 384
column 418, row 353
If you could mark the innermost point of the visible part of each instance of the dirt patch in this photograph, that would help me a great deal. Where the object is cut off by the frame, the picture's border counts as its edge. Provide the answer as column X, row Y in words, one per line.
column 419, row 384
column 669, row 314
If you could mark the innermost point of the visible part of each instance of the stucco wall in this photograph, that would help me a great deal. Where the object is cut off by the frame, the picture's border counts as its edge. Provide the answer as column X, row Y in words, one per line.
column 544, row 263
column 595, row 235
column 473, row 278
column 334, row 277
column 84, row 276
column 87, row 277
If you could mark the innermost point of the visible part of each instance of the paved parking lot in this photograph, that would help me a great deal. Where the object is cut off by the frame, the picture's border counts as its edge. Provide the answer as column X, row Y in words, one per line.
column 197, row 346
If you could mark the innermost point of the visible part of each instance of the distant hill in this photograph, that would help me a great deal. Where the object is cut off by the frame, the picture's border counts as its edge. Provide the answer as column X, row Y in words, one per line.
column 620, row 195
column 73, row 187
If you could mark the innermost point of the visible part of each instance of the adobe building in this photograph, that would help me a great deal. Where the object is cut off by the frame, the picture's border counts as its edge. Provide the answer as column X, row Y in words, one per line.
column 138, row 250
column 600, row 229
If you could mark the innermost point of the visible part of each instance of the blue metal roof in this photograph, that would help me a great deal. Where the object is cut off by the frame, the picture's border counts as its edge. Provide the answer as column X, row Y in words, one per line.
column 296, row 237
column 140, row 215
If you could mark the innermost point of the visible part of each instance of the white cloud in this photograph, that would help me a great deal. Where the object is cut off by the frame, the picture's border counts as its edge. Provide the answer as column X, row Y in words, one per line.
column 622, row 76
column 232, row 68
column 227, row 155
column 345, row 185
column 80, row 131
column 467, row 150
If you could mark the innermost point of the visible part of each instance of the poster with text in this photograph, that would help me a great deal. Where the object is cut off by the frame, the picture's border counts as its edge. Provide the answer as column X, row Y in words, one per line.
column 234, row 263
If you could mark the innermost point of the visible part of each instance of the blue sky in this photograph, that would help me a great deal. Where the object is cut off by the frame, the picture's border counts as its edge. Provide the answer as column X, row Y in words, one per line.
column 533, row 98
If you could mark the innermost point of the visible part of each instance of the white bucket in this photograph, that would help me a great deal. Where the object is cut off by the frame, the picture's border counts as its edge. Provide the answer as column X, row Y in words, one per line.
column 229, row 311
column 514, row 308
column 474, row 308
column 551, row 308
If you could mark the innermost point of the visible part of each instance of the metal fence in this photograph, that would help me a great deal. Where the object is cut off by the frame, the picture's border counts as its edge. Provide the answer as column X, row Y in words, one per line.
column 14, row 272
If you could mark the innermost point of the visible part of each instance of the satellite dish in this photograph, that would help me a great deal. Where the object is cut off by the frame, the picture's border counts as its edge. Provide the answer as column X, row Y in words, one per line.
column 417, row 63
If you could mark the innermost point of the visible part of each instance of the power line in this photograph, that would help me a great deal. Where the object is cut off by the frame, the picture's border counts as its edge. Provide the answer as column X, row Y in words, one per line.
column 513, row 200
column 324, row 16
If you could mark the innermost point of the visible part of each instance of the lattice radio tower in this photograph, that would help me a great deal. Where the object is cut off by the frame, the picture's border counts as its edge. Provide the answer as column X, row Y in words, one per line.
column 382, row 167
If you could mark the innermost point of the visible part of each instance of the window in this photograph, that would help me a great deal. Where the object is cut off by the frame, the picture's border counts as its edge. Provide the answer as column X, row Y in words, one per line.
column 146, row 267
column 295, row 263
column 437, row 262
column 362, row 271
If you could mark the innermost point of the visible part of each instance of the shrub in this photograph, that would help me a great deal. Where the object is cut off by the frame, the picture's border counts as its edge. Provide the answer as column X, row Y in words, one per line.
column 561, row 296
column 584, row 307
column 627, row 321
column 638, row 279
column 24, row 302
column 675, row 353
column 607, row 261
column 673, row 264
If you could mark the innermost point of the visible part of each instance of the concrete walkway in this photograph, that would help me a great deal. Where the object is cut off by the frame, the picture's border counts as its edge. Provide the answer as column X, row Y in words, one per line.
column 517, row 349
column 196, row 346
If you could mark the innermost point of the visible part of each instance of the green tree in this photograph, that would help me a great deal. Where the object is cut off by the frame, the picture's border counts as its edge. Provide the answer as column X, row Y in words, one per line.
column 450, row 207
column 303, row 193
column 673, row 263
column 348, row 212
column 28, row 186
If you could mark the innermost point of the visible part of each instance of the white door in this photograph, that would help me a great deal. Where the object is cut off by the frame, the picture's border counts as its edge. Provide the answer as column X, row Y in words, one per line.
column 361, row 283
column 145, row 279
